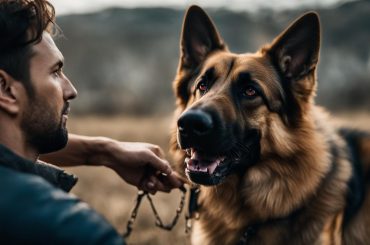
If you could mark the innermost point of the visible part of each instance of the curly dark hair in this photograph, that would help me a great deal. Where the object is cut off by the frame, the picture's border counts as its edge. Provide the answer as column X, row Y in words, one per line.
column 22, row 23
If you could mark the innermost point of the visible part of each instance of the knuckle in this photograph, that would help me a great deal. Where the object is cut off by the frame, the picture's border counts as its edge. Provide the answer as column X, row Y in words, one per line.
column 147, row 154
column 156, row 149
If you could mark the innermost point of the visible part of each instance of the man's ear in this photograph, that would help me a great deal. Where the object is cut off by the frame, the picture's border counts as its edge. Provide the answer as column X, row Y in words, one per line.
column 296, row 50
column 198, row 39
column 9, row 93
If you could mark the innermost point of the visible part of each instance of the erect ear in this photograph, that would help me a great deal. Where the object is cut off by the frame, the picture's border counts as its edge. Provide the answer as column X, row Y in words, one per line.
column 199, row 38
column 296, row 50
column 9, row 93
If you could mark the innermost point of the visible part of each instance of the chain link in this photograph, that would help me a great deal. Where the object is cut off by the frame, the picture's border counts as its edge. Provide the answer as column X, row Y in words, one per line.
column 158, row 220
column 132, row 219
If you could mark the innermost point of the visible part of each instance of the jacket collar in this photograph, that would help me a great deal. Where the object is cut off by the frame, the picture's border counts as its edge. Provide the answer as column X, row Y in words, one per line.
column 54, row 175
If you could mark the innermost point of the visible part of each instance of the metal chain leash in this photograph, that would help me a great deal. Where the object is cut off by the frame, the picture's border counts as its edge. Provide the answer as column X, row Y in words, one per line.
column 132, row 219
column 158, row 220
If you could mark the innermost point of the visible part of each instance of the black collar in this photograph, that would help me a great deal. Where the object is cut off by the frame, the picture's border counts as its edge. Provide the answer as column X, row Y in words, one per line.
column 50, row 173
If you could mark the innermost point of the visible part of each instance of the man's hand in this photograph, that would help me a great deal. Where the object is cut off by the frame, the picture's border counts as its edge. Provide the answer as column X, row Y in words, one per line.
column 142, row 165
column 139, row 164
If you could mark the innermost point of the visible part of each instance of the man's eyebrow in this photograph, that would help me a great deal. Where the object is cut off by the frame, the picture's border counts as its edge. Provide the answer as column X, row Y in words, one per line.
column 58, row 64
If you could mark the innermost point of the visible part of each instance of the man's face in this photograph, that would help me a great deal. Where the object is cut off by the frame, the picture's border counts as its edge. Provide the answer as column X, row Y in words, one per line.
column 45, row 116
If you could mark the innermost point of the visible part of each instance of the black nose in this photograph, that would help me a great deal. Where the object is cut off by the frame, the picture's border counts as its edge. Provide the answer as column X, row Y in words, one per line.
column 195, row 123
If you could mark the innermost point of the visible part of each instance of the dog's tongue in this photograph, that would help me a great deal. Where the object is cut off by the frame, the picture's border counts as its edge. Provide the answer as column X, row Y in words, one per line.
column 199, row 163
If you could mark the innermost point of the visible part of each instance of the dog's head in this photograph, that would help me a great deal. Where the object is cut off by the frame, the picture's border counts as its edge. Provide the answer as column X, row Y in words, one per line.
column 234, row 109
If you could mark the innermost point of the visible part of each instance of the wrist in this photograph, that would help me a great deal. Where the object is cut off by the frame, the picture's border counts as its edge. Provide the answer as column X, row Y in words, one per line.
column 98, row 149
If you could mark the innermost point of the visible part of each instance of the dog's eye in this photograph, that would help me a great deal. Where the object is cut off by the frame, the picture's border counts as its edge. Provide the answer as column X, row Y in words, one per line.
column 250, row 92
column 202, row 86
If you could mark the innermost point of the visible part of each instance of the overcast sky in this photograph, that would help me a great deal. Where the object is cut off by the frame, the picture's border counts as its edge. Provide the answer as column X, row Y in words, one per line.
column 81, row 6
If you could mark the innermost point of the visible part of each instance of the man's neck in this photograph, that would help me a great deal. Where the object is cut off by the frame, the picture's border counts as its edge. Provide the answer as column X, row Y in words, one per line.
column 13, row 138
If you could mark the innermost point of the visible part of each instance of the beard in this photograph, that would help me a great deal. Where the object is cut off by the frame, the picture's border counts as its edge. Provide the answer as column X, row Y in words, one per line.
column 44, row 128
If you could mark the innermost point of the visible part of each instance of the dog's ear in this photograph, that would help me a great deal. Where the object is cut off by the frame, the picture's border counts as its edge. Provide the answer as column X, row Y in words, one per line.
column 198, row 39
column 296, row 50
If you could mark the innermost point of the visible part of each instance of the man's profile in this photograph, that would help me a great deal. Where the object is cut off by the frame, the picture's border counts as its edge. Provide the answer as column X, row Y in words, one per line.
column 35, row 96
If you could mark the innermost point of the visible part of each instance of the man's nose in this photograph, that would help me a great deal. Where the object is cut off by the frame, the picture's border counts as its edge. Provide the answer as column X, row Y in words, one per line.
column 70, row 91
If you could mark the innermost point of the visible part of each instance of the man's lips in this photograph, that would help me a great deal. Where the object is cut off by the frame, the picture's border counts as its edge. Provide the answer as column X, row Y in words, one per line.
column 65, row 114
column 66, row 108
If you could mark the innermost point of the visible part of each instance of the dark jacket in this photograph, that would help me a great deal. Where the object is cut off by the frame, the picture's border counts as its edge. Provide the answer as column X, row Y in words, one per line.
column 35, row 207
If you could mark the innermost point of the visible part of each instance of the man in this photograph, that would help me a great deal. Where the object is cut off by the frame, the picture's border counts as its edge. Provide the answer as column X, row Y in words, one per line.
column 35, row 207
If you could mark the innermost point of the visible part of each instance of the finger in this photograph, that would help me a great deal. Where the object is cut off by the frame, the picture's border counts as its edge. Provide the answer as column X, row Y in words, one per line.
column 157, row 151
column 143, row 188
column 183, row 179
column 154, row 183
column 159, row 164
column 152, row 192
column 162, row 187
column 149, row 186
column 173, row 180
column 176, row 179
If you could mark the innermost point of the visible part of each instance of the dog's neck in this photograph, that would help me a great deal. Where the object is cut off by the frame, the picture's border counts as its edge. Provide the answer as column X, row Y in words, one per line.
column 266, row 189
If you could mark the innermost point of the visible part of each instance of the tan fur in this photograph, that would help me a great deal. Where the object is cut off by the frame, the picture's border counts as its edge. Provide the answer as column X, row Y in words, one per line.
column 296, row 169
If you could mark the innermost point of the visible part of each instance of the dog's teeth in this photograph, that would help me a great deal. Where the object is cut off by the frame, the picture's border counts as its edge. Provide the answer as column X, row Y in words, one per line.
column 188, row 152
column 192, row 153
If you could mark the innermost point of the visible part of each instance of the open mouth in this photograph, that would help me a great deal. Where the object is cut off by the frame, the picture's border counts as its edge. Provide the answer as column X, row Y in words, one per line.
column 205, row 169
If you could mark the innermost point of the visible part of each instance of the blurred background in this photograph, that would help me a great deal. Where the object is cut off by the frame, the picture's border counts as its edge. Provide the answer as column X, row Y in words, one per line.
column 122, row 56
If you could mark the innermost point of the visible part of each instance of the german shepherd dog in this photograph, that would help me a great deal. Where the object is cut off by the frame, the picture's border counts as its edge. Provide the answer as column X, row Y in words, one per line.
column 271, row 167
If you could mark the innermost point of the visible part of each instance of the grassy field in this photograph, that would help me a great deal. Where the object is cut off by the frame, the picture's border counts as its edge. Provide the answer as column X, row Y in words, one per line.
column 114, row 199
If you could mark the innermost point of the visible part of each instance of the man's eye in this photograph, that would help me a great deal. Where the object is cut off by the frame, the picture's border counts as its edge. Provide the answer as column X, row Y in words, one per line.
column 58, row 72
column 202, row 86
